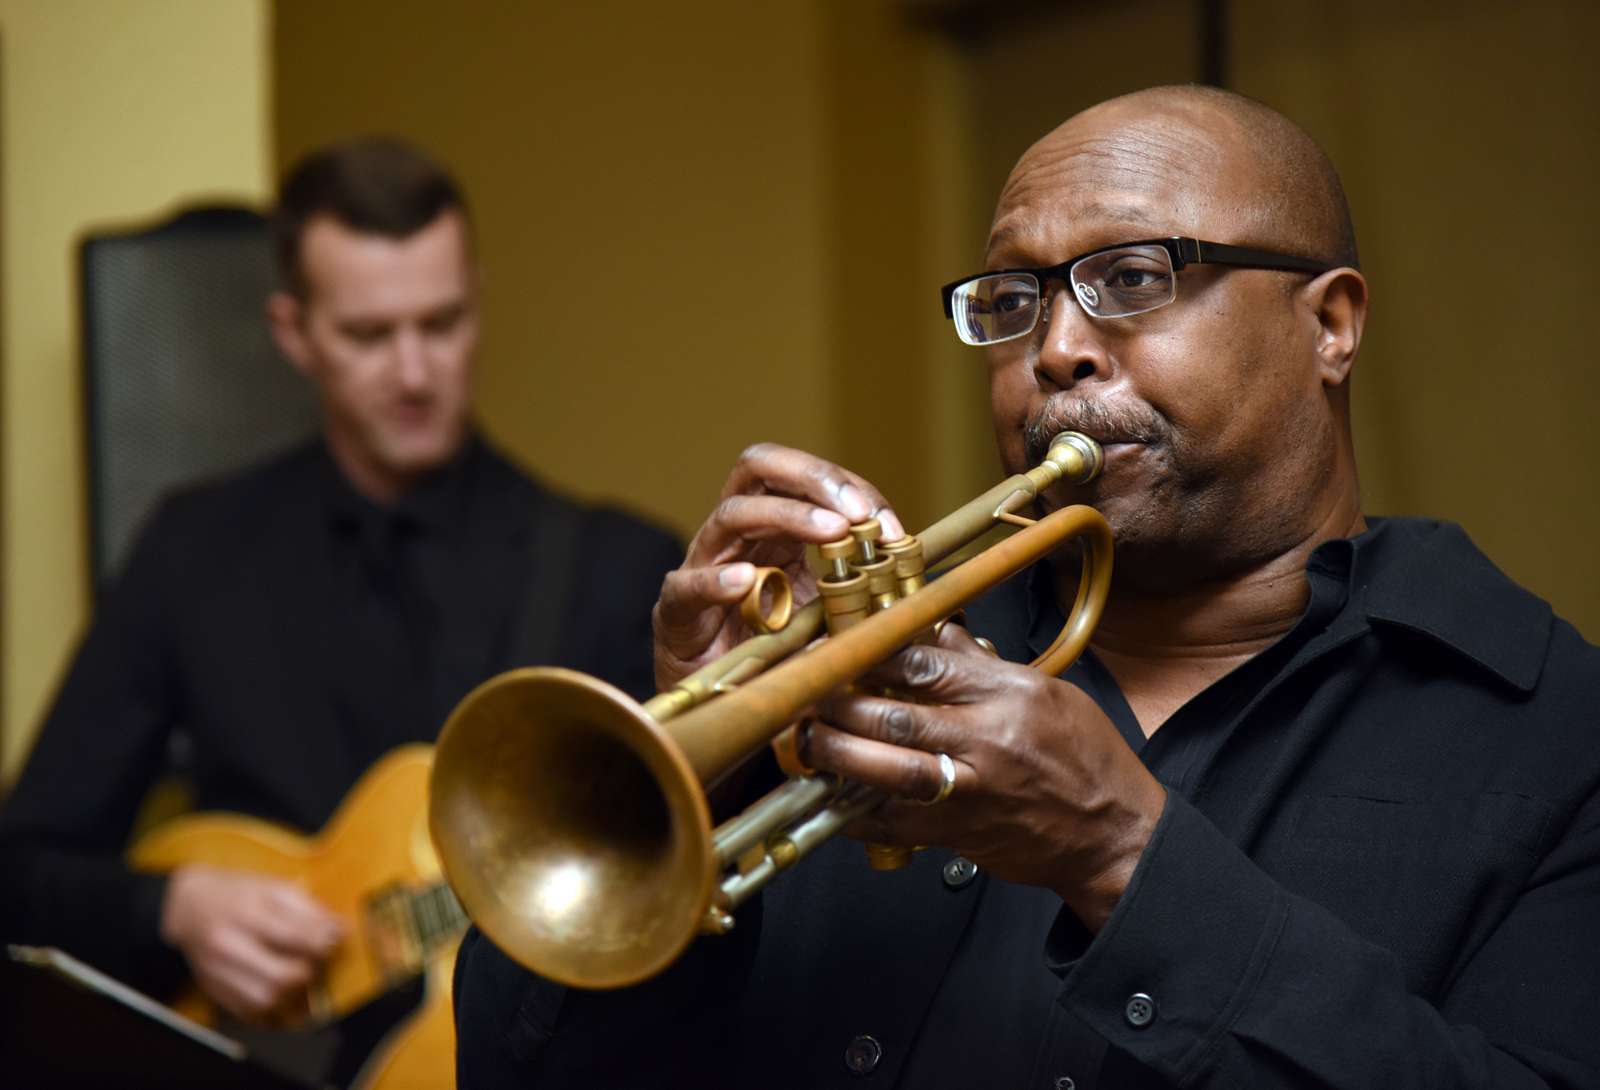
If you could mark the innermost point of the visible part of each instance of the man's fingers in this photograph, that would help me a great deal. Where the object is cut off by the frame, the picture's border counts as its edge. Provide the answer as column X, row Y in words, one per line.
column 687, row 611
column 907, row 773
column 893, row 722
column 245, row 957
column 957, row 672
column 738, row 520
column 244, row 996
column 294, row 923
column 768, row 467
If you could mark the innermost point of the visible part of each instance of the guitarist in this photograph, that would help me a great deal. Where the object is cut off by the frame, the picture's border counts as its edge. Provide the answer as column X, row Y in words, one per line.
column 297, row 621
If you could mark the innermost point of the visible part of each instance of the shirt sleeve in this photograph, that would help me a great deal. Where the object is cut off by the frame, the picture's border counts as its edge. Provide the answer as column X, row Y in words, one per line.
column 628, row 559
column 65, row 826
column 1214, row 975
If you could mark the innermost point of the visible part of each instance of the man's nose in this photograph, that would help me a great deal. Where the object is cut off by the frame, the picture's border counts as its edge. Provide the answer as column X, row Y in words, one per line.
column 411, row 360
column 1072, row 349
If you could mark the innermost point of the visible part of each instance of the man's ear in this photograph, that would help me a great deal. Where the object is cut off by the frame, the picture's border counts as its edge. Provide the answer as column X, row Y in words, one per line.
column 286, row 320
column 1338, row 301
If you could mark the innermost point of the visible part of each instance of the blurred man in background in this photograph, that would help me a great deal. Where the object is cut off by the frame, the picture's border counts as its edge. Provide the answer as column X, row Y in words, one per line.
column 297, row 621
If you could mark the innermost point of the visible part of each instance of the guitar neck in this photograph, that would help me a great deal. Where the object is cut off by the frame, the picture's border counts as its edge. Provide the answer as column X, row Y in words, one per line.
column 437, row 917
column 408, row 924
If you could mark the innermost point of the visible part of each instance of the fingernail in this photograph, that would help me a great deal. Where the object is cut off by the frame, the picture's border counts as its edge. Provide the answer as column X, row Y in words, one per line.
column 854, row 503
column 893, row 530
column 736, row 576
column 829, row 522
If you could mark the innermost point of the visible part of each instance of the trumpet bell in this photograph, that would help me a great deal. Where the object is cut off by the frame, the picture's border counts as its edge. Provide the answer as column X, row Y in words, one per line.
column 617, row 818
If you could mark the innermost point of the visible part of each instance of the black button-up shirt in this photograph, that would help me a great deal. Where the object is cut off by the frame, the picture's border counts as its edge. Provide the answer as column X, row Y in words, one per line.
column 294, row 633
column 1379, row 865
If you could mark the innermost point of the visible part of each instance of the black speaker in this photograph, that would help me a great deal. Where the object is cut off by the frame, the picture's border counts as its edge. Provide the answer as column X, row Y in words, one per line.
column 180, row 377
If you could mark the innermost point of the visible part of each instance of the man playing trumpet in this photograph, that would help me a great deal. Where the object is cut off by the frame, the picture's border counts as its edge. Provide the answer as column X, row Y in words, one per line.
column 1319, row 806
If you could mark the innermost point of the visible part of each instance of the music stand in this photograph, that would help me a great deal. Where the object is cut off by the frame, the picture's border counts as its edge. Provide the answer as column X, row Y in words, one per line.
column 65, row 1024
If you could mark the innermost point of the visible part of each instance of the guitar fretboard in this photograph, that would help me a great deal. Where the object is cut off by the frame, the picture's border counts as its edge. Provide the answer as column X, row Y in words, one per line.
column 406, row 925
column 436, row 915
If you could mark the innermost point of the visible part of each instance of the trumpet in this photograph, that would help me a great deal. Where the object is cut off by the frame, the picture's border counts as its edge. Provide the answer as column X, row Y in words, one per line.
column 572, row 821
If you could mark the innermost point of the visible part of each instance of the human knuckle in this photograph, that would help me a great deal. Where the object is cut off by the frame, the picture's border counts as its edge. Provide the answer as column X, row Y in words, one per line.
column 757, row 452
column 731, row 507
column 922, row 666
column 1024, row 686
column 813, row 742
column 897, row 724
column 917, row 777
column 825, row 475
column 680, row 583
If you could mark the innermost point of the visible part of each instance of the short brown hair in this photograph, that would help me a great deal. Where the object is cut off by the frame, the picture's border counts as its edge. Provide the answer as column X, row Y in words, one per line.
column 376, row 185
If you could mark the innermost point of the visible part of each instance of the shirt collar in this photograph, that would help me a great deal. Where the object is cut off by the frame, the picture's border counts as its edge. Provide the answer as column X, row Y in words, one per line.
column 437, row 503
column 1423, row 575
column 1426, row 576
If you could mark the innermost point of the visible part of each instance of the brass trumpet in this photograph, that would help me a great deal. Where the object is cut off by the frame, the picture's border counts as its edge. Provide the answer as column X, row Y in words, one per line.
column 572, row 821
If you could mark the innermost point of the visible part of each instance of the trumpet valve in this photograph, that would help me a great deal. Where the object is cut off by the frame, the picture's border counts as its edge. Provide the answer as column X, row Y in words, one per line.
column 844, row 601
column 866, row 535
column 882, row 587
column 908, row 564
column 837, row 555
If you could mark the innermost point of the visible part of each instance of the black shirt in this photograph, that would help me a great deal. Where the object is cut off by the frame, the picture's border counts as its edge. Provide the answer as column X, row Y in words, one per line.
column 1174, row 754
column 294, row 633
column 1022, row 618
column 405, row 579
column 1378, row 865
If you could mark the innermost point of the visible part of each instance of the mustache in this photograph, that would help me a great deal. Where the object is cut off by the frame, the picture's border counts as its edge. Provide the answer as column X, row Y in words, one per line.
column 1101, row 422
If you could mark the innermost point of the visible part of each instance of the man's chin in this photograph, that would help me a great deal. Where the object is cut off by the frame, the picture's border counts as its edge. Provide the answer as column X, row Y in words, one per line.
column 418, row 457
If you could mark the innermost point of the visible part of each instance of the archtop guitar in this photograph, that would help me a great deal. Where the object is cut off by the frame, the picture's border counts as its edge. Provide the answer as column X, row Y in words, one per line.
column 374, row 865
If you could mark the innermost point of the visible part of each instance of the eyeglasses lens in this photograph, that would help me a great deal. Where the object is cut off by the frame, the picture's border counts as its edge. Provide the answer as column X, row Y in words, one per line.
column 1118, row 283
column 1113, row 284
column 996, row 308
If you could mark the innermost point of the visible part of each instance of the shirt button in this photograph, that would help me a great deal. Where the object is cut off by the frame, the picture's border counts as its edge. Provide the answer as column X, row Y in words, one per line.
column 863, row 1054
column 1064, row 1082
column 959, row 872
column 1140, row 1011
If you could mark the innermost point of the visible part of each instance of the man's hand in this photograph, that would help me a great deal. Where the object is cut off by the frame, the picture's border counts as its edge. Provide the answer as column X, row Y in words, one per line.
column 775, row 502
column 252, row 942
column 1046, row 792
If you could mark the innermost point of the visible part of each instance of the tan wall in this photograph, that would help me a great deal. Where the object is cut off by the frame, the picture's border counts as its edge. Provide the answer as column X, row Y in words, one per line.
column 111, row 112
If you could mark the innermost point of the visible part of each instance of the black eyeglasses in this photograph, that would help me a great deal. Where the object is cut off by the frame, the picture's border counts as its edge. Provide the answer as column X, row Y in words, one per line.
column 1111, row 282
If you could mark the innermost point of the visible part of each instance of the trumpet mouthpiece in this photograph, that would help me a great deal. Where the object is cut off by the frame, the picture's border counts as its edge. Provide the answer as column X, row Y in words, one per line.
column 1076, row 457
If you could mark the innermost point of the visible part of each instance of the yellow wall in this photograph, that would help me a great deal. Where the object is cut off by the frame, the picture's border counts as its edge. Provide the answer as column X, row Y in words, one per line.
column 111, row 112
column 647, row 181
column 701, row 225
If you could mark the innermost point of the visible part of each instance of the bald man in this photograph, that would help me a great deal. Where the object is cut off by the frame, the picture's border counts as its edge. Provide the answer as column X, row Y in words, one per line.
column 1318, row 808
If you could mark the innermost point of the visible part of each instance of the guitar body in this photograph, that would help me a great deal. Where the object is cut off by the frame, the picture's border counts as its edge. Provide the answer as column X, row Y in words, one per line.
column 419, row 1054
column 364, row 865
